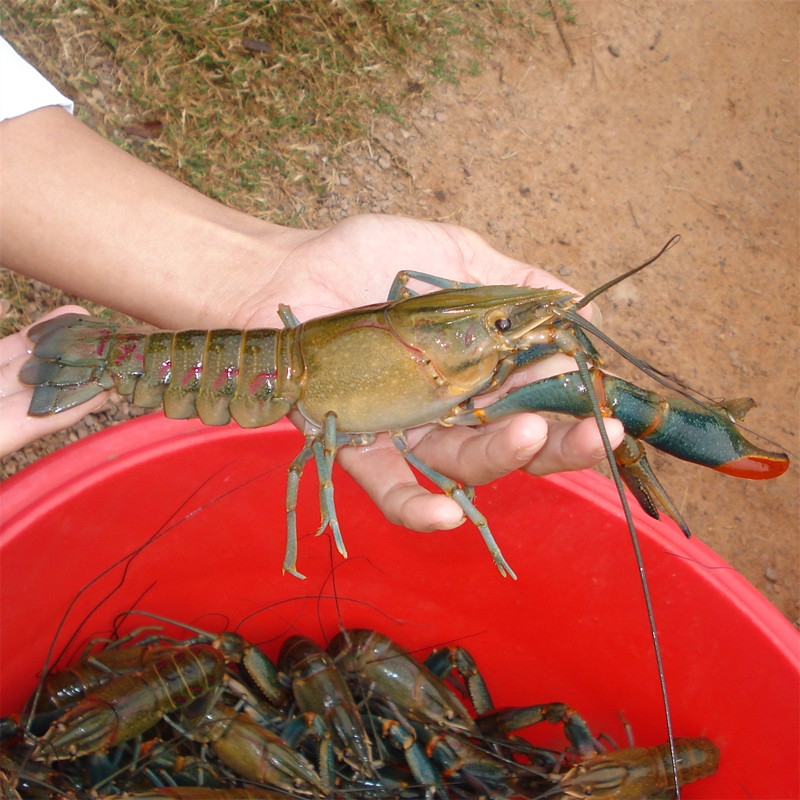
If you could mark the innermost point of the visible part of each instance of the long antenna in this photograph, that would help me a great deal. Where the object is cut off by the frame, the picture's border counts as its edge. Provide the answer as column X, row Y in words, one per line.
column 583, row 369
column 584, row 301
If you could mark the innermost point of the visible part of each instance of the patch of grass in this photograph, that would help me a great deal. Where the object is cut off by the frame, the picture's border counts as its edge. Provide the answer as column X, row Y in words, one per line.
column 249, row 100
column 223, row 81
column 567, row 12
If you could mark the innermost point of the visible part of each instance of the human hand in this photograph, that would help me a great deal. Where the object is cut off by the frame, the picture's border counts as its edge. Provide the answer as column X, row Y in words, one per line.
column 354, row 263
column 16, row 428
column 163, row 252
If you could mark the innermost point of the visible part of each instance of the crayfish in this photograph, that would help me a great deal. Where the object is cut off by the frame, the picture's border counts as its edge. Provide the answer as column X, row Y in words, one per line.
column 362, row 717
column 388, row 367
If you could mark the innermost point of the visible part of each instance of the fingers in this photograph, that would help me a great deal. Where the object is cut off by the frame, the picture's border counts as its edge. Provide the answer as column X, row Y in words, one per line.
column 17, row 429
column 490, row 266
column 475, row 456
column 573, row 446
column 391, row 484
column 471, row 456
column 18, row 344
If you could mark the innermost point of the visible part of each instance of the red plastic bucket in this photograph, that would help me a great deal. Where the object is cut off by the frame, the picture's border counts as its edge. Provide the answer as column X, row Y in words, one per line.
column 188, row 521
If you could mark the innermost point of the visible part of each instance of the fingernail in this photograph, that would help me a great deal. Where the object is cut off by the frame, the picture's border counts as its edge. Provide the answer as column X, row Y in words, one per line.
column 599, row 455
column 526, row 453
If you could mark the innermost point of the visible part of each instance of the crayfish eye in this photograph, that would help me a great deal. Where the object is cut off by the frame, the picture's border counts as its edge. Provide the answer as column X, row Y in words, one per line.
column 502, row 324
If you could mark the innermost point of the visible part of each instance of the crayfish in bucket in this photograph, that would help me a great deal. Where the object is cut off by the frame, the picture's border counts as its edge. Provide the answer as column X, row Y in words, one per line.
column 362, row 717
column 418, row 359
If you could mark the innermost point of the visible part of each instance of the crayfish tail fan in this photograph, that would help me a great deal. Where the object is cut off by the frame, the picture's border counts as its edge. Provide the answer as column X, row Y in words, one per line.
column 76, row 357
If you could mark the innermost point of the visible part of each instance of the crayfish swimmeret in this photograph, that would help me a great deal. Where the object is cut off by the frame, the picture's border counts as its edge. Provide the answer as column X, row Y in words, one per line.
column 418, row 358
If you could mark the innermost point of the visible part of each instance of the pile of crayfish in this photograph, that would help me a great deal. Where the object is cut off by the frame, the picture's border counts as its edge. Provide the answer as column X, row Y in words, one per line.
column 212, row 717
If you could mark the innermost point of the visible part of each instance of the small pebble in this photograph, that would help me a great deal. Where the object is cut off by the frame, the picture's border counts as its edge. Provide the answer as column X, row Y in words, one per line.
column 771, row 574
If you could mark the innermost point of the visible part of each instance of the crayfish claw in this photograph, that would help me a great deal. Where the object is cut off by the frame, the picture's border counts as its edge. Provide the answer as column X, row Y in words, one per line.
column 638, row 475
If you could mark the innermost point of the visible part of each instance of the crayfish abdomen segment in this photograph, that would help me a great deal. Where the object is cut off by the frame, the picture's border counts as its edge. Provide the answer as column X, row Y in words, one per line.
column 222, row 374
column 249, row 376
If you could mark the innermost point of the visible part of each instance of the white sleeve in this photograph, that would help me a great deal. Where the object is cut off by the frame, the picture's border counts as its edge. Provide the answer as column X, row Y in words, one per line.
column 22, row 88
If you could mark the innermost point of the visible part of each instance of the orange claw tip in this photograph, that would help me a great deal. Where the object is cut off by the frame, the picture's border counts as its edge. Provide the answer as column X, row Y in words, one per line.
column 758, row 468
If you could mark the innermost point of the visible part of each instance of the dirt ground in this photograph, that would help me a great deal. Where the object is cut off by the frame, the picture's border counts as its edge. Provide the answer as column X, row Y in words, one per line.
column 677, row 117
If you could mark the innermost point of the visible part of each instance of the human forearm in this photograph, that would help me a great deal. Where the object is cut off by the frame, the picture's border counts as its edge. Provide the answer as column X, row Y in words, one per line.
column 83, row 215
column 79, row 213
